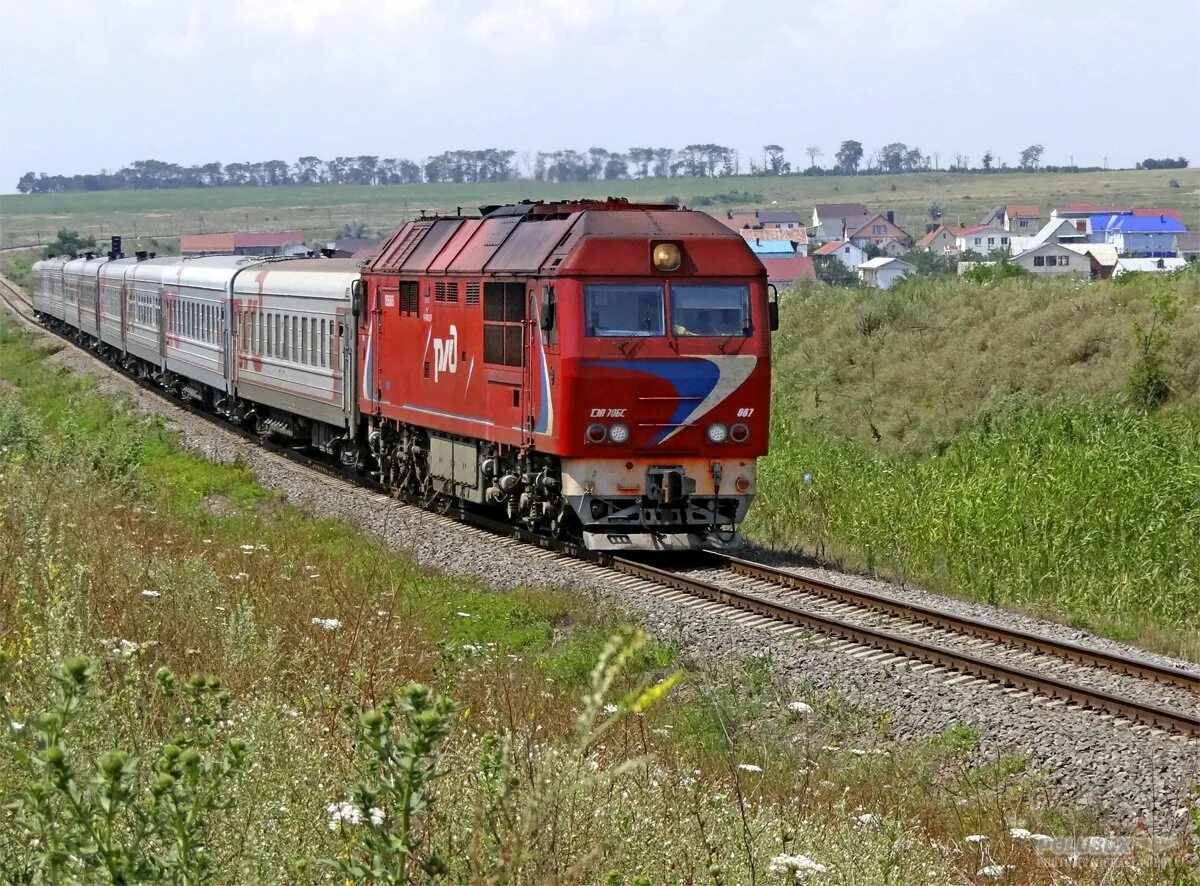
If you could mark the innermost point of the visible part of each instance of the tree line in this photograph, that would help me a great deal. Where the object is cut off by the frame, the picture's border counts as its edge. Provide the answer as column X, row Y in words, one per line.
column 496, row 165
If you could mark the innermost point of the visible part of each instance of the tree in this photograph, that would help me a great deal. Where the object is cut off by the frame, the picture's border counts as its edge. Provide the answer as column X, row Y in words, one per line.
column 848, row 157
column 892, row 156
column 813, row 152
column 830, row 270
column 987, row 159
column 641, row 158
column 1031, row 157
column 773, row 161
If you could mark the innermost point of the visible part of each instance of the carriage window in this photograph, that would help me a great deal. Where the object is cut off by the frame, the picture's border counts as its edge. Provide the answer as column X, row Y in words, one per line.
column 303, row 339
column 294, row 354
column 623, row 310
column 710, row 310
column 322, row 340
column 503, row 314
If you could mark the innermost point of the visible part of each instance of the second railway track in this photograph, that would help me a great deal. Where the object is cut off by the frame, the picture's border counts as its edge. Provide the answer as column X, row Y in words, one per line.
column 762, row 585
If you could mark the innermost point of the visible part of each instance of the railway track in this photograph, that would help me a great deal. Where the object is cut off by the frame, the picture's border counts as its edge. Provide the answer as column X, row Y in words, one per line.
column 788, row 601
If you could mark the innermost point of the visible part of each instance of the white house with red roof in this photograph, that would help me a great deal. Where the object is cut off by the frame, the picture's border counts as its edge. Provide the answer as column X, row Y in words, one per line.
column 849, row 254
column 982, row 238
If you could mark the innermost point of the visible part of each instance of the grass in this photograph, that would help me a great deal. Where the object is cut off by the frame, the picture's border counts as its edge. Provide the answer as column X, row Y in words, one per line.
column 979, row 440
column 98, row 506
column 320, row 209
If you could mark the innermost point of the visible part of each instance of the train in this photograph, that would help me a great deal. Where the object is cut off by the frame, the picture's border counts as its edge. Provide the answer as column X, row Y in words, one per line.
column 594, row 370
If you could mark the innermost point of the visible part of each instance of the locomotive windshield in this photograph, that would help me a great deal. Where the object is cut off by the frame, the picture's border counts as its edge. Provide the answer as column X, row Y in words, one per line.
column 624, row 310
column 710, row 310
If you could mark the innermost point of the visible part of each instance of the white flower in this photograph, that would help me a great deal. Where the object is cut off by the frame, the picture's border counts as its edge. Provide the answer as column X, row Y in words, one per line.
column 377, row 816
column 292, row 712
column 800, row 866
column 869, row 819
column 247, row 549
column 974, row 838
column 749, row 767
column 1020, row 834
column 149, row 593
column 858, row 752
column 463, row 614
column 206, row 541
column 15, row 725
column 799, row 707
column 993, row 870
column 344, row 812
column 609, row 709
column 328, row 624
column 240, row 576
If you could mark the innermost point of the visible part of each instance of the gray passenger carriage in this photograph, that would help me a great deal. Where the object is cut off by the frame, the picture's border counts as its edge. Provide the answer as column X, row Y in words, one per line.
column 48, row 287
column 89, row 297
column 195, row 304
column 143, row 309
column 112, row 301
column 72, row 275
column 294, row 343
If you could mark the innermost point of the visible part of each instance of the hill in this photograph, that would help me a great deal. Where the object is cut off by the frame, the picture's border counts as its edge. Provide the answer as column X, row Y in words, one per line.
column 321, row 209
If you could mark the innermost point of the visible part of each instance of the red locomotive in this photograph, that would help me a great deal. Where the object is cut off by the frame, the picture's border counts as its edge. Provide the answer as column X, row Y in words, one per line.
column 601, row 369
column 598, row 370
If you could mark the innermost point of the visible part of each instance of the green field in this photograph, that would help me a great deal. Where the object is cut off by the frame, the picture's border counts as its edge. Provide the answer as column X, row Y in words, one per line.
column 320, row 210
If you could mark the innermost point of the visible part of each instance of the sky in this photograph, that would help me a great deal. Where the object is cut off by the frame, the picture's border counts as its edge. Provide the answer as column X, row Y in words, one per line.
column 196, row 81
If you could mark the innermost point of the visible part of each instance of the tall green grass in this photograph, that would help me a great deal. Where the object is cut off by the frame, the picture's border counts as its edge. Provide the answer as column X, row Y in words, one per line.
column 1086, row 510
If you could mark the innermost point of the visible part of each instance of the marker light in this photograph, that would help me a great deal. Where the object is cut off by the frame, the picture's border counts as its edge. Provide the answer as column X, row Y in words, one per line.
column 596, row 433
column 667, row 256
column 739, row 433
column 717, row 432
column 618, row 433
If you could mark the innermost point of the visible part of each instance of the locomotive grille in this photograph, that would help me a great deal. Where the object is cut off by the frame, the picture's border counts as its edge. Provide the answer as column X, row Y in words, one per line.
column 472, row 293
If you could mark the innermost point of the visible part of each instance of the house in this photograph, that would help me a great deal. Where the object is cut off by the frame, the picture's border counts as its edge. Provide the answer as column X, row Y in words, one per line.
column 770, row 248
column 864, row 229
column 893, row 247
column 1148, row 265
column 242, row 243
column 771, row 218
column 940, row 240
column 1083, row 210
column 1054, row 231
column 983, row 238
column 1021, row 219
column 1054, row 259
column 1136, row 235
column 884, row 272
column 828, row 219
column 846, row 252
column 782, row 271
column 764, row 218
column 1187, row 245
column 798, row 237
column 1103, row 258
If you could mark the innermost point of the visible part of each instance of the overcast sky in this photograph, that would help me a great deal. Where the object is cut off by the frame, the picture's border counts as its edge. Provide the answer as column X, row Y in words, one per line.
column 96, row 85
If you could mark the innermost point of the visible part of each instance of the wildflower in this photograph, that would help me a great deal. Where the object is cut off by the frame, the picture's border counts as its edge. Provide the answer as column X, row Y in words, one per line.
column 343, row 813
column 377, row 816
column 799, row 707
column 749, row 767
column 1020, row 834
column 15, row 725
column 292, row 712
column 609, row 709
column 808, row 478
column 463, row 614
column 247, row 549
column 799, row 866
column 240, row 576
column 206, row 541
column 974, row 838
column 328, row 624
column 993, row 870
column 858, row 752
column 149, row 593
column 869, row 819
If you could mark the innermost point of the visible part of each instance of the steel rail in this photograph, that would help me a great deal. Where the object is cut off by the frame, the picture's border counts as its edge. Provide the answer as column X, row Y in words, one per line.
column 1117, row 706
column 1008, row 675
column 965, row 625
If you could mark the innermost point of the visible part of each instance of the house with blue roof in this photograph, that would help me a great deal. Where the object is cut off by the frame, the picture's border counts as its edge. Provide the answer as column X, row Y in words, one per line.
column 1140, row 235
column 771, row 248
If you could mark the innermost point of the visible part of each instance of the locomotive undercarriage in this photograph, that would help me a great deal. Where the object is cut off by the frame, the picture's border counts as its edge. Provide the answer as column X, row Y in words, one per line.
column 434, row 466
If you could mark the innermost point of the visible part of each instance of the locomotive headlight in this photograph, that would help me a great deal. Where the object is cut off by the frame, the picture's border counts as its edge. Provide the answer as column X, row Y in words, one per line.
column 667, row 256
column 739, row 433
column 596, row 433
column 717, row 432
column 618, row 433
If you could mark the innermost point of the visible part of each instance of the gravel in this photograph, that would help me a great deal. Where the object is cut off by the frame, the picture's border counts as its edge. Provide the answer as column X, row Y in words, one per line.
column 1135, row 775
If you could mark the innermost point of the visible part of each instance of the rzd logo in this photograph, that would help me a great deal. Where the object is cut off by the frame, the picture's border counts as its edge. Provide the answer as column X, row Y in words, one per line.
column 445, row 353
